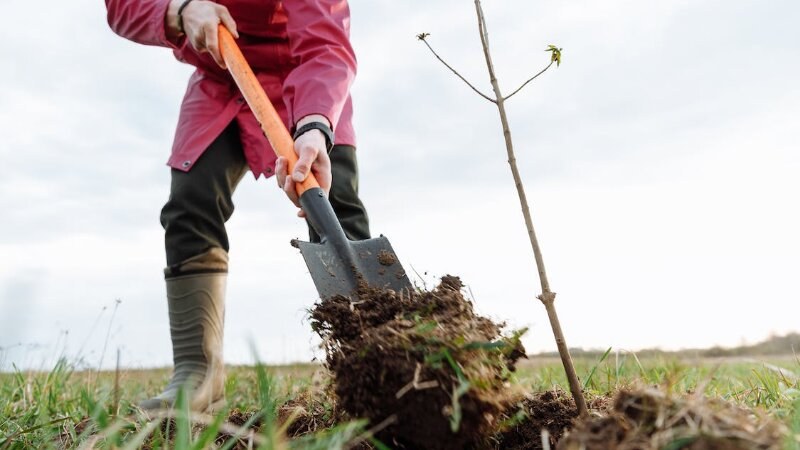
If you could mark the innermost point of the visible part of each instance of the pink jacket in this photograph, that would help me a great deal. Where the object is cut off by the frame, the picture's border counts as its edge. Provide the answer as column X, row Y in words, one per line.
column 299, row 49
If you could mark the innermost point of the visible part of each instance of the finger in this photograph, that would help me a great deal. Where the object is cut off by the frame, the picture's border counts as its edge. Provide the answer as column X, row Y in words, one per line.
column 291, row 191
column 228, row 21
column 323, row 177
column 198, row 41
column 305, row 159
column 306, row 154
column 280, row 171
column 322, row 172
column 212, row 44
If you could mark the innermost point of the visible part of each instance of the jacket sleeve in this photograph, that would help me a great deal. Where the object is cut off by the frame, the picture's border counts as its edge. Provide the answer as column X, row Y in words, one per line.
column 319, row 41
column 140, row 21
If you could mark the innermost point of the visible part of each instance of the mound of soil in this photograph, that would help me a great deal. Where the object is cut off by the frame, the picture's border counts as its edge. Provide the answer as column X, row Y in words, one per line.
column 522, row 425
column 421, row 366
column 649, row 419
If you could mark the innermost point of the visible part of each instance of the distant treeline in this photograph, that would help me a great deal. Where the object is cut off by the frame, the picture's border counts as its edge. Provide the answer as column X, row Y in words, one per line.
column 775, row 345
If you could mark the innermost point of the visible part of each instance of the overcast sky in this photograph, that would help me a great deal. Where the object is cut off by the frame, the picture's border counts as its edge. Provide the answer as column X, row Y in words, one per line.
column 661, row 161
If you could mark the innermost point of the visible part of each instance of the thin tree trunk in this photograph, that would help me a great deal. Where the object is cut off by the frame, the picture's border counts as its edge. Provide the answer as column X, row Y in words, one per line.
column 547, row 297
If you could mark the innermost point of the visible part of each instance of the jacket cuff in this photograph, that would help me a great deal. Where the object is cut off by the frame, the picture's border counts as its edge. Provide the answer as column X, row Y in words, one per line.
column 160, row 26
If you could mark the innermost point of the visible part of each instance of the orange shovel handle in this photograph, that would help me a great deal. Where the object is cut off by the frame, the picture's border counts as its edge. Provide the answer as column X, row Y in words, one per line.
column 259, row 103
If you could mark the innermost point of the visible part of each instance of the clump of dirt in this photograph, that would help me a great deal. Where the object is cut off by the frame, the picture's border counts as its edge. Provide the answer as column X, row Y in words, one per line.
column 521, row 427
column 386, row 258
column 237, row 419
column 650, row 419
column 421, row 366
column 311, row 411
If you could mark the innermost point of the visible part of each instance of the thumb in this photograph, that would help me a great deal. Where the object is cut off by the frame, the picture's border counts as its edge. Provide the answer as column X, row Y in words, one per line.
column 300, row 171
column 228, row 21
column 306, row 157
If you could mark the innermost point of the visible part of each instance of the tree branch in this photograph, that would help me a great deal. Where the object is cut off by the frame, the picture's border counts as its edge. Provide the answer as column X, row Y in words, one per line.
column 548, row 296
column 529, row 80
column 422, row 37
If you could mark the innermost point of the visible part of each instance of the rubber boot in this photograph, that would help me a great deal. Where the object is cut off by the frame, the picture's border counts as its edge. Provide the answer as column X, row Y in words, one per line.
column 196, row 317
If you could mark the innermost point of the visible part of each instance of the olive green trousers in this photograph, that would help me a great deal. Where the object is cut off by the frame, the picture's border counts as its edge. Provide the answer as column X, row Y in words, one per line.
column 200, row 201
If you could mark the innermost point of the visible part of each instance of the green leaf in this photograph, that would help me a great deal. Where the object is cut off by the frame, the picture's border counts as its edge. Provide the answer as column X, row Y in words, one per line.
column 555, row 55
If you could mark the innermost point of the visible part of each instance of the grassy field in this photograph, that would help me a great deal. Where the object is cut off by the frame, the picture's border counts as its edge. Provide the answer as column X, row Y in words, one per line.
column 64, row 408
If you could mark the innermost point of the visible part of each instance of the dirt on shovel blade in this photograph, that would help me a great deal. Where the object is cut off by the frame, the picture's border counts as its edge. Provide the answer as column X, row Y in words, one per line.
column 425, row 370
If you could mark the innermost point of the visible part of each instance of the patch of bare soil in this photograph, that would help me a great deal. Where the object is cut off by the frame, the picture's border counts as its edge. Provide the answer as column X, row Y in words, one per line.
column 236, row 421
column 521, row 428
column 649, row 419
column 232, row 429
column 311, row 411
column 422, row 367
column 524, row 421
column 235, row 428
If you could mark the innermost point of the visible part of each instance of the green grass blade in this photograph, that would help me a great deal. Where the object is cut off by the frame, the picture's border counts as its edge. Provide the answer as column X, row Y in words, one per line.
column 183, row 425
column 138, row 439
column 247, row 425
column 594, row 368
column 378, row 444
column 209, row 434
column 337, row 438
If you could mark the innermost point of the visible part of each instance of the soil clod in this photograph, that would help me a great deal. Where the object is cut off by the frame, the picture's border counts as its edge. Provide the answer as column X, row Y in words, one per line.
column 553, row 410
column 650, row 419
column 386, row 258
column 425, row 358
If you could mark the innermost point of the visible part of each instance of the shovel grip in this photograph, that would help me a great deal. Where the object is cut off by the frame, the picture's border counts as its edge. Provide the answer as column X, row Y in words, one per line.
column 271, row 124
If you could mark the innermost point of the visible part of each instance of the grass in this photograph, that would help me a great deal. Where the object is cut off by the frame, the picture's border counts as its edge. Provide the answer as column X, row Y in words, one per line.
column 772, row 385
column 64, row 408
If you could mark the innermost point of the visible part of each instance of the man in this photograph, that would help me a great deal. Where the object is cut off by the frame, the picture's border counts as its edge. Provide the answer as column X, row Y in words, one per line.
column 302, row 56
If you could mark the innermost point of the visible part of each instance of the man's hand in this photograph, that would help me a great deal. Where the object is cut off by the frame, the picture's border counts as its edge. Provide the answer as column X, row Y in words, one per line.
column 311, row 155
column 200, row 21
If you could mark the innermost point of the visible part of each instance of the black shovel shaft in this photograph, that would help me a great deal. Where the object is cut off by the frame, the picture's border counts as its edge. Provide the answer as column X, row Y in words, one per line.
column 322, row 218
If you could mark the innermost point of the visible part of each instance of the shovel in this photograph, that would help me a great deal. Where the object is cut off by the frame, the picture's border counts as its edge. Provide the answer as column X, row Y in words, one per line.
column 338, row 266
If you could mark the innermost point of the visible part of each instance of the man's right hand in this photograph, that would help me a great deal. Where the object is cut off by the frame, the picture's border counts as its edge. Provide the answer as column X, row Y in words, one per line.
column 200, row 21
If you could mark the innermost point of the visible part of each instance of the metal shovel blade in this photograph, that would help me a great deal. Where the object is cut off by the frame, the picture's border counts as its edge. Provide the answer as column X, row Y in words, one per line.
column 340, row 270
column 340, row 266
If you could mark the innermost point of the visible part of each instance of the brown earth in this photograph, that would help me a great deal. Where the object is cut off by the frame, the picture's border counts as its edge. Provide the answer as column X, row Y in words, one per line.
column 551, row 410
column 431, row 374
column 428, row 373
column 311, row 411
column 650, row 419
column 421, row 366
column 634, row 419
